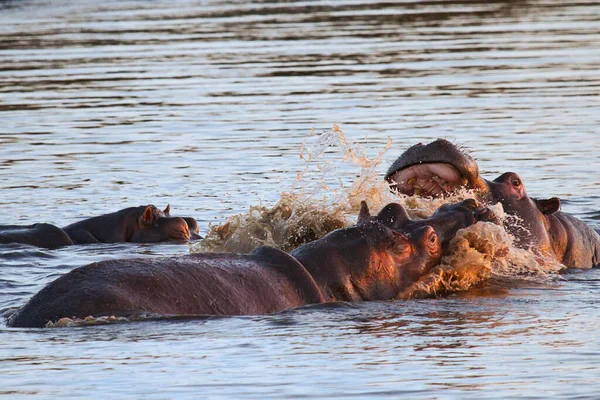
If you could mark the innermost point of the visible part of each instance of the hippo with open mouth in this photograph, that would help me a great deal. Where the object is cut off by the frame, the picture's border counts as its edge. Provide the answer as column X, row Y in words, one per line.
column 441, row 168
column 369, row 261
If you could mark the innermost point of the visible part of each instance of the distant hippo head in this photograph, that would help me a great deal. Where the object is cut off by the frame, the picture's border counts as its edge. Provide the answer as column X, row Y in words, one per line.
column 162, row 230
column 154, row 228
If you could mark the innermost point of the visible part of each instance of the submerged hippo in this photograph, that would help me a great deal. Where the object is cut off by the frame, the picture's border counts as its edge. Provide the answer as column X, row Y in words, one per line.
column 441, row 167
column 40, row 235
column 369, row 261
column 143, row 224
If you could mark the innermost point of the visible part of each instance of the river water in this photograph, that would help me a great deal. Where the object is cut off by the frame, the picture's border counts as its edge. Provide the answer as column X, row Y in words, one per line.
column 205, row 105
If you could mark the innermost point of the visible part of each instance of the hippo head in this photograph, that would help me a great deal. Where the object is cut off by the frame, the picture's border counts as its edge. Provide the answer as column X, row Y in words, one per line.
column 163, row 229
column 532, row 225
column 371, row 260
column 157, row 226
column 449, row 218
column 440, row 168
column 434, row 169
column 400, row 258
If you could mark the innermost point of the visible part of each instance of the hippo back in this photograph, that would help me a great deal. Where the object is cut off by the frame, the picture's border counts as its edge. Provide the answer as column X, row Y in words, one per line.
column 263, row 282
column 41, row 235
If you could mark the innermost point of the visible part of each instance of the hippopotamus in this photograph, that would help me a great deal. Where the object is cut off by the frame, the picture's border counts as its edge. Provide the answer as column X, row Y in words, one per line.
column 446, row 220
column 368, row 261
column 41, row 235
column 142, row 224
column 441, row 167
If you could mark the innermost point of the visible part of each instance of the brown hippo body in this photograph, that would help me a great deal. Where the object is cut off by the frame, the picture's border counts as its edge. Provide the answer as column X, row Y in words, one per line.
column 575, row 244
column 440, row 168
column 370, row 261
column 41, row 235
column 265, row 281
column 126, row 225
column 143, row 224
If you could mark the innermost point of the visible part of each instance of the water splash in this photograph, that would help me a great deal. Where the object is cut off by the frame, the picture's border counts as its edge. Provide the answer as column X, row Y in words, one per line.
column 70, row 322
column 319, row 202
column 479, row 253
column 293, row 221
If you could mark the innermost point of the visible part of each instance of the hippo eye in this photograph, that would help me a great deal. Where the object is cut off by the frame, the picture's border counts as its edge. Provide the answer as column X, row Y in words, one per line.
column 516, row 183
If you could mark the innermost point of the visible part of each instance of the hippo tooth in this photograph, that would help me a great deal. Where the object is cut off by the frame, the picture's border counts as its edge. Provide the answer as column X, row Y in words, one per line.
column 417, row 191
column 411, row 181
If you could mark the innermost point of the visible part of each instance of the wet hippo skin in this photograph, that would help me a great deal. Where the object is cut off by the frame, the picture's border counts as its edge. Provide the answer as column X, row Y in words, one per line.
column 143, row 224
column 441, row 167
column 369, row 261
column 126, row 225
column 41, row 235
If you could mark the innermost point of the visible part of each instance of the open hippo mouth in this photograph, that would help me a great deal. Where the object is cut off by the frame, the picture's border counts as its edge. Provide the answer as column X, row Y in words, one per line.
column 434, row 169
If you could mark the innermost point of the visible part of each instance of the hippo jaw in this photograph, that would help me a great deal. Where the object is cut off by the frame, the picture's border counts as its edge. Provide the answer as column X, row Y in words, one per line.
column 435, row 169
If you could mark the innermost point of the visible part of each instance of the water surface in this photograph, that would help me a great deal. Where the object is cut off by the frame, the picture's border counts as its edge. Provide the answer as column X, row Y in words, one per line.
column 205, row 104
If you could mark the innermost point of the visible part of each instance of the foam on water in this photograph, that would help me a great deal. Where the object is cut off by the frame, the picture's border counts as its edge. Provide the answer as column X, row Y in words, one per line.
column 70, row 322
column 318, row 202
column 478, row 253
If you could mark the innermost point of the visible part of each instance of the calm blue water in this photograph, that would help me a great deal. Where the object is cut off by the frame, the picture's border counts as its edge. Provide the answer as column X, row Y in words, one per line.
column 205, row 104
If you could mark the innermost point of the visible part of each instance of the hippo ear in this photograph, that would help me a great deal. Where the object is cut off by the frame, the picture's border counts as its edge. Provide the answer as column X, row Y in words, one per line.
column 364, row 213
column 148, row 215
column 167, row 210
column 393, row 216
column 548, row 206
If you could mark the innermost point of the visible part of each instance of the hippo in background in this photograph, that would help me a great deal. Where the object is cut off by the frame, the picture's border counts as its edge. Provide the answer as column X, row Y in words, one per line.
column 369, row 261
column 441, row 168
column 143, row 224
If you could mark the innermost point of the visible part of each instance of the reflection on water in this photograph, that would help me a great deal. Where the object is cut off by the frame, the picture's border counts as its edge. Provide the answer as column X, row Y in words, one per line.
column 205, row 105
